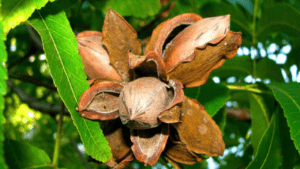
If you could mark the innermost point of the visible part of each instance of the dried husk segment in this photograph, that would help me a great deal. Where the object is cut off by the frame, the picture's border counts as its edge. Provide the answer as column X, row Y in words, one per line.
column 94, row 57
column 116, row 134
column 196, row 72
column 198, row 131
column 120, row 38
column 179, row 153
column 171, row 114
column 149, row 144
column 162, row 31
column 100, row 101
column 149, row 65
column 207, row 30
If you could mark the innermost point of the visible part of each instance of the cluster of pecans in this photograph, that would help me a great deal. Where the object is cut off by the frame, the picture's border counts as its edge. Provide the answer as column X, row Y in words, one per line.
column 139, row 97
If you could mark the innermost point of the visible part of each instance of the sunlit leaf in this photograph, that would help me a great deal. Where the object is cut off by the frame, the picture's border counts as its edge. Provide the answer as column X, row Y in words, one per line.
column 16, row 11
column 282, row 18
column 3, row 77
column 23, row 155
column 67, row 72
column 288, row 96
column 137, row 8
column 268, row 154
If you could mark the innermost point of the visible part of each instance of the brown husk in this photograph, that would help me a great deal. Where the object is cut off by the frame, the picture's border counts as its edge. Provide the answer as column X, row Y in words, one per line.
column 100, row 101
column 120, row 38
column 198, row 131
column 162, row 31
column 116, row 134
column 149, row 144
column 94, row 57
column 196, row 72
column 208, row 30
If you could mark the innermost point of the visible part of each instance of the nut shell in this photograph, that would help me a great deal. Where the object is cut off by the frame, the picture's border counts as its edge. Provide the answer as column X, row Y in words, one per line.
column 141, row 101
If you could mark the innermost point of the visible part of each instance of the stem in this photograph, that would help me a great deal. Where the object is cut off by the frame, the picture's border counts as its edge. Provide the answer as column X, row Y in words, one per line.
column 32, row 51
column 32, row 80
column 254, row 36
column 35, row 104
column 78, row 10
column 163, row 14
column 247, row 88
column 58, row 135
column 254, row 23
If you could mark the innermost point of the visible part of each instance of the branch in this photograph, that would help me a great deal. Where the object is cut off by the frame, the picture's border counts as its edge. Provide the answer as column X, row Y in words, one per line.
column 34, row 103
column 239, row 114
column 32, row 80
column 58, row 135
column 163, row 14
column 35, row 37
column 32, row 51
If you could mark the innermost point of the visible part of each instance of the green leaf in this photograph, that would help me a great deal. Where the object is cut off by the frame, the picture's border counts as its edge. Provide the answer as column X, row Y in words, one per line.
column 289, row 151
column 288, row 96
column 67, row 72
column 268, row 69
column 192, row 92
column 220, row 118
column 260, row 117
column 16, row 11
column 239, row 67
column 137, row 8
column 184, row 6
column 234, row 130
column 212, row 96
column 3, row 77
column 281, row 18
column 23, row 155
column 268, row 154
column 292, row 56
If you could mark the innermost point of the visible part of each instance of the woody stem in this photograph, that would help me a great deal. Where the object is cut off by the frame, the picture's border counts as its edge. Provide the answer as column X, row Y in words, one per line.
column 58, row 136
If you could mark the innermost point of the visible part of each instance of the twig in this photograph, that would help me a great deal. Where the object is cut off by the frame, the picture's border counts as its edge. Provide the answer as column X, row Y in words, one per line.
column 58, row 135
column 32, row 80
column 34, row 103
column 80, row 154
column 34, row 37
column 75, row 16
column 239, row 114
column 32, row 51
column 163, row 14
column 249, row 88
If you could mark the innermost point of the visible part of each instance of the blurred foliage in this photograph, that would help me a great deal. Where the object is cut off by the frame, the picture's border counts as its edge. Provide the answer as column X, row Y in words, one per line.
column 254, row 82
